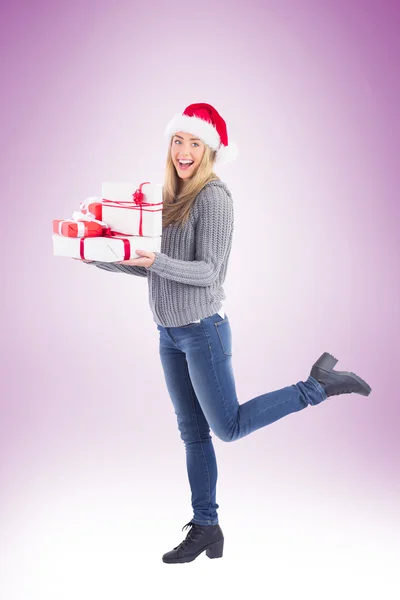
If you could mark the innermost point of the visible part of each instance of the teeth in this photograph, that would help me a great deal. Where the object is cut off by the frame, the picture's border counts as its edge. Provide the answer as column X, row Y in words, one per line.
column 185, row 162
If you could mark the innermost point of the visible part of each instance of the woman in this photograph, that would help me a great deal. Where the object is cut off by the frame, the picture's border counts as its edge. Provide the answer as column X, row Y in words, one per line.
column 185, row 293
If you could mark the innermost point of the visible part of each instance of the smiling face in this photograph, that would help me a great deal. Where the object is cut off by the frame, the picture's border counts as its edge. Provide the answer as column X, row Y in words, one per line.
column 186, row 153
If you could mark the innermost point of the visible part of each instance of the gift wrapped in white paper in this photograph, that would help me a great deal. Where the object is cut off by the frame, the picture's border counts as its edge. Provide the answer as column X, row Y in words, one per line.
column 104, row 248
column 123, row 214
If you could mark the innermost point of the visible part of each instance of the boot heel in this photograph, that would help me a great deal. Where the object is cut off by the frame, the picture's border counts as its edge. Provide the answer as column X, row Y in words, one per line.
column 216, row 549
column 326, row 361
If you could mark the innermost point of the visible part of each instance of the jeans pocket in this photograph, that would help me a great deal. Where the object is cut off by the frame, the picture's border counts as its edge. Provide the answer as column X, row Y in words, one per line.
column 225, row 335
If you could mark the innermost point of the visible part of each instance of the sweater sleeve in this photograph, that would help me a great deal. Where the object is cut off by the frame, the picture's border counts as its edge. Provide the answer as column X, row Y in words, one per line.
column 116, row 268
column 213, row 233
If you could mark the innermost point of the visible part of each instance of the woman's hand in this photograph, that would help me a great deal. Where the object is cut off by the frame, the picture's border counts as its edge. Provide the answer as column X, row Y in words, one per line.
column 146, row 259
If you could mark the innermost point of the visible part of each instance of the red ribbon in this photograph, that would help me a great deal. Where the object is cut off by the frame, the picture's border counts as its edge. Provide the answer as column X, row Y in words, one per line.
column 82, row 248
column 141, row 204
column 108, row 232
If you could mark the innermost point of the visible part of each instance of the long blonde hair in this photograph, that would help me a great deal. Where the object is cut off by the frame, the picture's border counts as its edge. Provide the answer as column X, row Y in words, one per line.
column 178, row 197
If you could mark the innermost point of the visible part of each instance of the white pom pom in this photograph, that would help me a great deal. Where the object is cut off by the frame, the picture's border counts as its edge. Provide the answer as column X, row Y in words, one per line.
column 227, row 154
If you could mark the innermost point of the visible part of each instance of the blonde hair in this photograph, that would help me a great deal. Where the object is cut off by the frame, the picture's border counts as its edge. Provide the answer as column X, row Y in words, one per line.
column 178, row 196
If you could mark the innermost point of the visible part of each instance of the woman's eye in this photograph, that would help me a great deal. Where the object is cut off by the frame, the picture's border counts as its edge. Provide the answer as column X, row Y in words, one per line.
column 178, row 142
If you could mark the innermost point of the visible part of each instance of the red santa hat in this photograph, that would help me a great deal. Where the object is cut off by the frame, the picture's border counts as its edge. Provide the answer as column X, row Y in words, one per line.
column 207, row 124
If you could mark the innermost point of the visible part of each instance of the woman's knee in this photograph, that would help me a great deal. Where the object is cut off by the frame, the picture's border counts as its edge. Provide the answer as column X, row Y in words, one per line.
column 225, row 435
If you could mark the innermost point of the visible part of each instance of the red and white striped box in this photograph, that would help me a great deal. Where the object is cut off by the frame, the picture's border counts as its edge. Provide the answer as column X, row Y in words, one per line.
column 77, row 229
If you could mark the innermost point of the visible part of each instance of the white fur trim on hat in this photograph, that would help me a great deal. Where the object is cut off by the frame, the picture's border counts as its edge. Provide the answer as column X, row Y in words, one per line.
column 226, row 154
column 202, row 129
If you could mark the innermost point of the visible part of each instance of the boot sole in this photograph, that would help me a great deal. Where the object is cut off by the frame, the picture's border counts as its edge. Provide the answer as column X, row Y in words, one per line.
column 214, row 550
column 326, row 363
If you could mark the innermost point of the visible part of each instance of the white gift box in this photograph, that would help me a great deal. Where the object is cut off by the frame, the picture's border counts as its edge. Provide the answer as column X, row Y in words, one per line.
column 104, row 249
column 124, row 215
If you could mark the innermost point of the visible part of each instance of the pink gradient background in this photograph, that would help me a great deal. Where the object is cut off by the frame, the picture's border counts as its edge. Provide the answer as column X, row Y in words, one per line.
column 90, row 449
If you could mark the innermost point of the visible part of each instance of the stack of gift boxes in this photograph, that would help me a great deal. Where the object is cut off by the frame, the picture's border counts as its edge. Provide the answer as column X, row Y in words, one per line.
column 111, row 228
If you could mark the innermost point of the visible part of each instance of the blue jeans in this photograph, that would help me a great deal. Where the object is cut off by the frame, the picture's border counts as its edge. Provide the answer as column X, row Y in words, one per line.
column 197, row 364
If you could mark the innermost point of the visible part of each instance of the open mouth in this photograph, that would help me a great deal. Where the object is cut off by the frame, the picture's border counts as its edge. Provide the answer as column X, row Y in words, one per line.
column 184, row 165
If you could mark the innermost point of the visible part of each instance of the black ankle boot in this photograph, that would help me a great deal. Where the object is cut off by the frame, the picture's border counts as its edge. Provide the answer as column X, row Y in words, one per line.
column 337, row 382
column 199, row 538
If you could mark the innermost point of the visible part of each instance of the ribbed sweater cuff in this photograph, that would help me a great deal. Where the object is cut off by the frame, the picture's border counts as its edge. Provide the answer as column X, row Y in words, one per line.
column 159, row 264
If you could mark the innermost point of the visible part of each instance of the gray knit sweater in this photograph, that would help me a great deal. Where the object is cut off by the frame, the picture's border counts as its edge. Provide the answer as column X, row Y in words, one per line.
column 185, row 281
